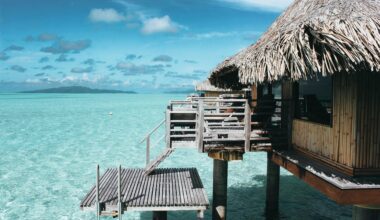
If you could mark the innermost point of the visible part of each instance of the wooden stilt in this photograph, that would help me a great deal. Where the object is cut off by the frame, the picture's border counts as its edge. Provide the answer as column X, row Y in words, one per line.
column 219, row 195
column 160, row 215
column 365, row 213
column 273, row 180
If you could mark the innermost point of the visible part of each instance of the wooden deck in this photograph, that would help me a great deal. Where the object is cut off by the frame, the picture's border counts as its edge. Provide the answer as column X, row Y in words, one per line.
column 208, row 124
column 341, row 188
column 166, row 189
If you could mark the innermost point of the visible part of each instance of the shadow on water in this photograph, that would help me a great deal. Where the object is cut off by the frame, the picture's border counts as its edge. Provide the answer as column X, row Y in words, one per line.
column 297, row 201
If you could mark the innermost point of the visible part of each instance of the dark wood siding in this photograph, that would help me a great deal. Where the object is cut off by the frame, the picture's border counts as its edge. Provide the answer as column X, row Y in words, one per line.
column 367, row 154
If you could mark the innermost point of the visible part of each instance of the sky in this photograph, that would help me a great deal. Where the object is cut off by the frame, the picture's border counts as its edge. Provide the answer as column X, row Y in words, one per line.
column 139, row 45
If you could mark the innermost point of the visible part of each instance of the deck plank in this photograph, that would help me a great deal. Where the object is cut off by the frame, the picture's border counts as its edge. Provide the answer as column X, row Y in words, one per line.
column 164, row 188
column 90, row 197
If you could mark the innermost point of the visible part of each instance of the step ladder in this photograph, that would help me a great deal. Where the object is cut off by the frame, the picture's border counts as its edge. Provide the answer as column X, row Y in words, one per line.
column 156, row 162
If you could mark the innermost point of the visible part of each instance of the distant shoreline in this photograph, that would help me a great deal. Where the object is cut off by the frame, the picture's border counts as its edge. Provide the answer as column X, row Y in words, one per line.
column 79, row 90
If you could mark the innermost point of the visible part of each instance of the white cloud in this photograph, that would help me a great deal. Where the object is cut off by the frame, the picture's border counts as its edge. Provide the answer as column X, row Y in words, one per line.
column 127, row 82
column 269, row 5
column 202, row 36
column 32, row 81
column 216, row 34
column 69, row 78
column 160, row 25
column 107, row 15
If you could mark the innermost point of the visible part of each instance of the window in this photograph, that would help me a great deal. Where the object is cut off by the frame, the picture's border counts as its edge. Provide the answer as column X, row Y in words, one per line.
column 315, row 100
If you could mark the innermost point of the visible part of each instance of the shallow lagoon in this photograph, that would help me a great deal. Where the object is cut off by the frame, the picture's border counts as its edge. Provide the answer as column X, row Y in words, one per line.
column 50, row 145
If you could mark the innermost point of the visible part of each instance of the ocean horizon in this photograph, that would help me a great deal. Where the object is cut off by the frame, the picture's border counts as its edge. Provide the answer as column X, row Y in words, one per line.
column 51, row 144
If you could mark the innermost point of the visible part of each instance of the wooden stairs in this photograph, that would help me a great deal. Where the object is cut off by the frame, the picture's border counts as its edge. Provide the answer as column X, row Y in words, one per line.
column 156, row 162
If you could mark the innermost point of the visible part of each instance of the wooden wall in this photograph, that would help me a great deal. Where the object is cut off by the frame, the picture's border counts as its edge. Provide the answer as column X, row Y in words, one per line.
column 216, row 94
column 344, row 117
column 313, row 137
column 212, row 94
column 367, row 154
column 353, row 141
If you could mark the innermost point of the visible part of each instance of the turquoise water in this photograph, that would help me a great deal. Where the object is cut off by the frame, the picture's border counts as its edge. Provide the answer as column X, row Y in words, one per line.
column 50, row 145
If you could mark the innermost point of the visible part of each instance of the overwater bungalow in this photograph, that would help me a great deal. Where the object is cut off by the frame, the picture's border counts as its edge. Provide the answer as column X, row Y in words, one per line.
column 205, row 89
column 323, row 126
column 326, row 55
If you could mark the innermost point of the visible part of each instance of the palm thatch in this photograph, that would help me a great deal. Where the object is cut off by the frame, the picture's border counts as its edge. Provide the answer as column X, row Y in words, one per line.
column 311, row 37
column 206, row 86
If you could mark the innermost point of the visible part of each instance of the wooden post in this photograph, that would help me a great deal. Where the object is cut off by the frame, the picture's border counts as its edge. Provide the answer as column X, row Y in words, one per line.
column 167, row 127
column 247, row 126
column 365, row 213
column 254, row 95
column 160, row 215
column 289, row 95
column 219, row 194
column 272, row 191
column 120, row 211
column 147, row 150
column 97, row 193
column 200, row 126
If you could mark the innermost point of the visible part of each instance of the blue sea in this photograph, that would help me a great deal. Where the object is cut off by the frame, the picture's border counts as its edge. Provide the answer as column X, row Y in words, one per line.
column 50, row 145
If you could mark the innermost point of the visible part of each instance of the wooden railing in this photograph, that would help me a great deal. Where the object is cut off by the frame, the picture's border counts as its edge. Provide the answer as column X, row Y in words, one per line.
column 147, row 140
column 199, row 122
column 98, row 208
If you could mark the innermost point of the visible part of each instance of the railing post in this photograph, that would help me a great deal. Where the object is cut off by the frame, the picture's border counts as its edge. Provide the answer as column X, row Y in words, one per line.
column 200, row 125
column 148, row 149
column 97, row 193
column 247, row 126
column 167, row 127
column 120, row 211
column 217, row 106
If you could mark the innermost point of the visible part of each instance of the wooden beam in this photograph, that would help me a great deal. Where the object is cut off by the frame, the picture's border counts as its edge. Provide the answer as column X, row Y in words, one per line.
column 226, row 155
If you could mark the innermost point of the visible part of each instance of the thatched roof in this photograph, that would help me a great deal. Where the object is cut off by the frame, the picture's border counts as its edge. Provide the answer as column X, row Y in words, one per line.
column 311, row 37
column 206, row 86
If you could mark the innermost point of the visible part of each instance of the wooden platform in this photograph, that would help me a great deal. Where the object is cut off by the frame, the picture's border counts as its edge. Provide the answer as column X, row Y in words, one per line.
column 167, row 189
column 337, row 186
